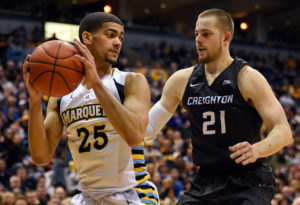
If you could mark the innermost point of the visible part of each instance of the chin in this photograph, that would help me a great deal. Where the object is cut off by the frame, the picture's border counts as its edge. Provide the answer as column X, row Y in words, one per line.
column 202, row 60
column 111, row 61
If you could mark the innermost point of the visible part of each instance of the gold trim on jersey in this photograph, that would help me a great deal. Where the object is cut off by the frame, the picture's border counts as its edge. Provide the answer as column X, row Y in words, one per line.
column 111, row 71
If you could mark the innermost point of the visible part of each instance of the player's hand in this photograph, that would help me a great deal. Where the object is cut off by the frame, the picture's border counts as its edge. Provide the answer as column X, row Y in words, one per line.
column 243, row 153
column 33, row 93
column 88, row 60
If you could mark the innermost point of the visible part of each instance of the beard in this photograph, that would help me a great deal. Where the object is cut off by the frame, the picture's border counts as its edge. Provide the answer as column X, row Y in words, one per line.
column 211, row 56
column 110, row 60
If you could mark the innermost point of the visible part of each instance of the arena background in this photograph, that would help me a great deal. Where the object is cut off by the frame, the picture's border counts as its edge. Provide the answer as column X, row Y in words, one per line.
column 159, row 39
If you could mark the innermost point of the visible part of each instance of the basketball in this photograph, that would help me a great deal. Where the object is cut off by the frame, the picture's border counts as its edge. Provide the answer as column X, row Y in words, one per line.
column 54, row 69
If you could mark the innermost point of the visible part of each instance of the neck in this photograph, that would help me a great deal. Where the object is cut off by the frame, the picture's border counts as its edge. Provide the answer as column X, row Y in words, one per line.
column 219, row 64
column 102, row 70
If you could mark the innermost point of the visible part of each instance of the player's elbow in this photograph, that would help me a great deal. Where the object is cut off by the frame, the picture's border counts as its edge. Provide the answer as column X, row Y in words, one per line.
column 289, row 137
column 135, row 139
column 40, row 161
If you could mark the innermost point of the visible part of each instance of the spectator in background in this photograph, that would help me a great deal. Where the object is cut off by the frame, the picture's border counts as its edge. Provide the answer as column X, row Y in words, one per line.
column 60, row 166
column 279, row 163
column 158, row 73
column 9, row 198
column 20, row 200
column 42, row 195
column 60, row 193
column 140, row 68
column 31, row 197
column 26, row 182
column 15, row 185
column 296, row 201
column 4, row 175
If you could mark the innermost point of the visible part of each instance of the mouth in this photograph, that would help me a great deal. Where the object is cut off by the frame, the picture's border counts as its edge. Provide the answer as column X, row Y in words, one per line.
column 201, row 50
column 115, row 52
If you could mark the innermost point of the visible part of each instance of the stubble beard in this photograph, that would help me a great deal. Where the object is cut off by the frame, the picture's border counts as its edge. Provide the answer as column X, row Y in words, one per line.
column 210, row 58
column 111, row 61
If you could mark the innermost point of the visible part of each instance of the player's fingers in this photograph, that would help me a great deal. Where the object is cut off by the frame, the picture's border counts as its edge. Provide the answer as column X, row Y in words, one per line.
column 25, row 68
column 80, row 47
column 236, row 154
column 82, row 59
column 83, row 49
column 245, row 150
column 238, row 146
column 247, row 161
column 239, row 159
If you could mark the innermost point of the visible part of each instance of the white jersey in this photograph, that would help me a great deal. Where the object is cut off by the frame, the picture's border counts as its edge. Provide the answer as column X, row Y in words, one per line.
column 102, row 157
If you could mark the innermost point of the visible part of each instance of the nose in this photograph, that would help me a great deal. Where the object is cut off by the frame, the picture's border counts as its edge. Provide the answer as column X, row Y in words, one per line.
column 197, row 38
column 117, row 43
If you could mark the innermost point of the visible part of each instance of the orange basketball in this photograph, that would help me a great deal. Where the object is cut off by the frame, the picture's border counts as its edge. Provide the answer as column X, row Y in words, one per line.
column 54, row 69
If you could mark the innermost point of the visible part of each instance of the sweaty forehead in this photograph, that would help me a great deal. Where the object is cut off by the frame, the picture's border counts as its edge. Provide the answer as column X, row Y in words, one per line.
column 206, row 23
column 113, row 26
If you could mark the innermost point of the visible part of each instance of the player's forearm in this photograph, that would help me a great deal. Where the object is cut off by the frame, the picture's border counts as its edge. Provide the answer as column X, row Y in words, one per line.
column 129, row 125
column 38, row 143
column 158, row 117
column 279, row 137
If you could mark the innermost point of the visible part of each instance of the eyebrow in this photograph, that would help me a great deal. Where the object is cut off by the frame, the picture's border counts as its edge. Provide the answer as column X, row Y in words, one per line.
column 114, row 30
column 203, row 30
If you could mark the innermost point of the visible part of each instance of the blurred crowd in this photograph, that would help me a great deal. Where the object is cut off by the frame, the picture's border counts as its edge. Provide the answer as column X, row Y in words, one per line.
column 169, row 157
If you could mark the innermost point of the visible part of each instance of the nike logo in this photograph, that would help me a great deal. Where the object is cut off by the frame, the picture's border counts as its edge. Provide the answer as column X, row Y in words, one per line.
column 193, row 85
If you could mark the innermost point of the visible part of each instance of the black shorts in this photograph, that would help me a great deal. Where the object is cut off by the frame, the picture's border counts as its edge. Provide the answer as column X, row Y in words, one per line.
column 242, row 187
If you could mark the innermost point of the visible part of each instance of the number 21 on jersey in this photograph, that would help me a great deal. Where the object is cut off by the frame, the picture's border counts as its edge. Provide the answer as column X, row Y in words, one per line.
column 209, row 119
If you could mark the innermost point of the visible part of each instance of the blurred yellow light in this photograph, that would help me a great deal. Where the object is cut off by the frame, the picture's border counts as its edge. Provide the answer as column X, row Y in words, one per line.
column 146, row 11
column 107, row 9
column 244, row 26
column 163, row 5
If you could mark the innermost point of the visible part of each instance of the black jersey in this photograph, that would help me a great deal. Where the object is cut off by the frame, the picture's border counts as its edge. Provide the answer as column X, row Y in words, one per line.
column 219, row 115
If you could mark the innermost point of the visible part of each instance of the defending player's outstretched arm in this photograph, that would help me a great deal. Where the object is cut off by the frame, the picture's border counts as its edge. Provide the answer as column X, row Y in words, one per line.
column 163, row 110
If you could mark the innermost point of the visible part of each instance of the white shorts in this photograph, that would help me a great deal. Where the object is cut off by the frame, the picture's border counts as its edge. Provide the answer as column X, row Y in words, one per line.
column 129, row 197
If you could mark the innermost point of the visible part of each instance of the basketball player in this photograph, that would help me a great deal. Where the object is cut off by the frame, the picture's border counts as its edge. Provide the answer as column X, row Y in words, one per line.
column 227, row 101
column 105, row 116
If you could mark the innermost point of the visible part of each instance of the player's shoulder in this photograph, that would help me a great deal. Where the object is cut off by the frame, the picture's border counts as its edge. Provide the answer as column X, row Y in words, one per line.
column 248, row 73
column 181, row 75
column 133, row 78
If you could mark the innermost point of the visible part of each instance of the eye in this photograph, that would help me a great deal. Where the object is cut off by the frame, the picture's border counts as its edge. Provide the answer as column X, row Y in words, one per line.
column 205, row 34
column 110, row 34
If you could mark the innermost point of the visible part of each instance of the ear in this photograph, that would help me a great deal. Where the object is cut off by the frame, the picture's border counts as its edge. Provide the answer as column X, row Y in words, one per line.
column 227, row 36
column 87, row 38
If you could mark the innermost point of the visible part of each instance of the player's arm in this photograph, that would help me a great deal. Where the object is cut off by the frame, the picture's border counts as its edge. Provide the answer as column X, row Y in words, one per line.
column 255, row 88
column 163, row 110
column 131, row 118
column 43, row 137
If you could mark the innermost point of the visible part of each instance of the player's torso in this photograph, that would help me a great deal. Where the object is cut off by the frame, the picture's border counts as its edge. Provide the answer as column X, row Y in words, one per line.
column 219, row 115
column 102, row 158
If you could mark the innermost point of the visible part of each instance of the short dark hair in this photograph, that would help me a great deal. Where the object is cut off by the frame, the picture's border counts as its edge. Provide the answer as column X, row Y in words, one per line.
column 93, row 21
column 224, row 19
